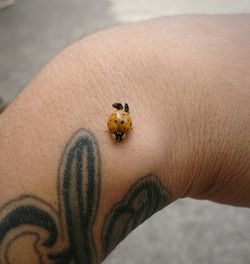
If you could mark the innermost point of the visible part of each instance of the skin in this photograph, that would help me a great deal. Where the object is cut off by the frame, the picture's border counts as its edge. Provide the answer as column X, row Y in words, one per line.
column 186, row 80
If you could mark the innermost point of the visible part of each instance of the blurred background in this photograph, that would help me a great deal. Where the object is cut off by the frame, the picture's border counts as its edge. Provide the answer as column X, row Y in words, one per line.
column 34, row 31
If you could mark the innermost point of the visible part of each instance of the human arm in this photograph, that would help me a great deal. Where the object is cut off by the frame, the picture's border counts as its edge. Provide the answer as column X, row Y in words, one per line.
column 186, row 80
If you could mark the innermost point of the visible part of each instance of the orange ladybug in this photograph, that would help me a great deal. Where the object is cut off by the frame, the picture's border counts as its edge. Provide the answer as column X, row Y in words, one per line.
column 119, row 122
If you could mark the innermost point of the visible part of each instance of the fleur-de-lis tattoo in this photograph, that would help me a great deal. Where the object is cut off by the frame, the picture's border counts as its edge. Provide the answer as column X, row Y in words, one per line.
column 65, row 235
column 70, row 227
column 144, row 198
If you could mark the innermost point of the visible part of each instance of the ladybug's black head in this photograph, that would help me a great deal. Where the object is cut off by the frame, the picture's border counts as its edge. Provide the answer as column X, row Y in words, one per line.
column 118, row 136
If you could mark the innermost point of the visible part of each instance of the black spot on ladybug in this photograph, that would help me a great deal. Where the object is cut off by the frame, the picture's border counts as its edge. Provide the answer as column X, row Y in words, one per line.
column 122, row 122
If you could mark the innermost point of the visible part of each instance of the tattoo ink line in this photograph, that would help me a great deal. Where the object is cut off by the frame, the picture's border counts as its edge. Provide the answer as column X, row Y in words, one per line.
column 65, row 236
column 78, row 194
column 144, row 198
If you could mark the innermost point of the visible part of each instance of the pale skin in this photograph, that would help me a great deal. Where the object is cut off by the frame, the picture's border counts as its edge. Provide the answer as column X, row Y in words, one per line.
column 187, row 82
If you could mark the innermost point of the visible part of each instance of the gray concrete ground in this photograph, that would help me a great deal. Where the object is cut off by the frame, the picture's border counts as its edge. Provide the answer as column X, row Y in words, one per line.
column 188, row 231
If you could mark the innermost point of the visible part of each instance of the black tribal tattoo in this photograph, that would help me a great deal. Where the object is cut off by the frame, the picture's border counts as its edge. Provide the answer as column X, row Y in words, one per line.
column 65, row 235
column 146, row 197
column 69, row 228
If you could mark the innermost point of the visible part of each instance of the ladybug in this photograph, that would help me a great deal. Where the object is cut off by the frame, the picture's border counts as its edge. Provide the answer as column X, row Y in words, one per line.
column 119, row 122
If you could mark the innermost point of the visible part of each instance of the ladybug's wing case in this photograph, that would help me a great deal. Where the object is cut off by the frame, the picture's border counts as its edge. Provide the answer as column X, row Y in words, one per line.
column 119, row 121
column 128, row 123
column 113, row 122
column 125, row 122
